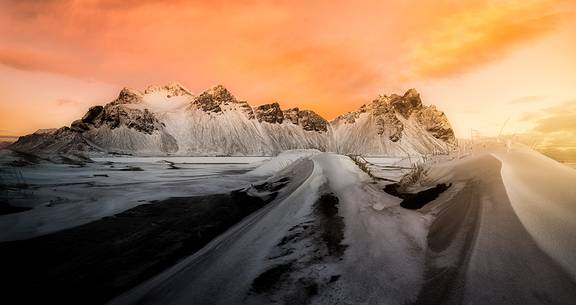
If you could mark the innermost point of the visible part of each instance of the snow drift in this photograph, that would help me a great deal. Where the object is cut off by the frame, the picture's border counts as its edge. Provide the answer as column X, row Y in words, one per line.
column 543, row 195
column 503, row 231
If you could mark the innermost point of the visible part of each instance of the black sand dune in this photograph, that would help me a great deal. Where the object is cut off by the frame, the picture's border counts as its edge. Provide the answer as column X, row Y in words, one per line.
column 92, row 263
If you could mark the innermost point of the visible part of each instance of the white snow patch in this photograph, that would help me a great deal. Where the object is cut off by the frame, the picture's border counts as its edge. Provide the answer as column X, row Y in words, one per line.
column 159, row 102
column 282, row 161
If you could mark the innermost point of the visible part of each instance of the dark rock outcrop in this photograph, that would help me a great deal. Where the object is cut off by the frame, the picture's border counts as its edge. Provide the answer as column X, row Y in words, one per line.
column 436, row 123
column 115, row 116
column 61, row 140
column 128, row 96
column 292, row 115
column 308, row 119
column 214, row 99
column 311, row 121
column 270, row 113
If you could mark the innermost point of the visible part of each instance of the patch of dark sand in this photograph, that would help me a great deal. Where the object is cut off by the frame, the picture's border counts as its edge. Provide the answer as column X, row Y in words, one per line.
column 415, row 201
column 93, row 263
column 302, row 254
column 331, row 225
column 131, row 169
column 268, row 279
column 6, row 208
column 452, row 232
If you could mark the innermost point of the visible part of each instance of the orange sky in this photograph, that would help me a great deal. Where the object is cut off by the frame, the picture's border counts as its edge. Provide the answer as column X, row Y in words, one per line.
column 480, row 61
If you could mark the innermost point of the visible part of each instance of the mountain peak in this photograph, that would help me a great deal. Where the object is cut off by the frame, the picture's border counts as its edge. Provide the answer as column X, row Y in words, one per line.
column 411, row 93
column 311, row 121
column 172, row 89
column 407, row 103
column 128, row 96
column 413, row 97
column 220, row 92
column 211, row 99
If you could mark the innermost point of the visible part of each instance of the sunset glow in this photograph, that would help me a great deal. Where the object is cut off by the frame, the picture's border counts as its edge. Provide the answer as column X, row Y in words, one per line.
column 482, row 62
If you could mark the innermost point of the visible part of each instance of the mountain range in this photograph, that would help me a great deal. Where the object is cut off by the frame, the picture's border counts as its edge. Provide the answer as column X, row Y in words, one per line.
column 170, row 120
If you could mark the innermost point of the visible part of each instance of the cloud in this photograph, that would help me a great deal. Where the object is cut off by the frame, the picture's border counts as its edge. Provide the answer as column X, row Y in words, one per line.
column 330, row 56
column 35, row 61
column 479, row 35
column 31, row 9
column 554, row 131
column 557, row 118
column 557, row 123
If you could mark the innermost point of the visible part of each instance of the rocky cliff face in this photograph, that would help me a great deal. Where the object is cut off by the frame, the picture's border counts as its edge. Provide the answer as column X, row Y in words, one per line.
column 61, row 140
column 308, row 120
column 169, row 119
column 436, row 123
column 393, row 125
column 270, row 113
column 114, row 116
column 128, row 96
column 218, row 98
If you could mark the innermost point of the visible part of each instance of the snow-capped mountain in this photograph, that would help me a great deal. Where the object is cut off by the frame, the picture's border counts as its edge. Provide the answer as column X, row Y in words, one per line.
column 170, row 120
column 393, row 125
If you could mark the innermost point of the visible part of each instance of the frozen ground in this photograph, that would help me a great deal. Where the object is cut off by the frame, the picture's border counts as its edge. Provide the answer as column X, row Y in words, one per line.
column 500, row 232
column 291, row 238
column 468, row 246
column 67, row 195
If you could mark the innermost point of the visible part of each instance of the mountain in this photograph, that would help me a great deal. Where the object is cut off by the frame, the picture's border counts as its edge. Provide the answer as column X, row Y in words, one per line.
column 170, row 120
column 393, row 125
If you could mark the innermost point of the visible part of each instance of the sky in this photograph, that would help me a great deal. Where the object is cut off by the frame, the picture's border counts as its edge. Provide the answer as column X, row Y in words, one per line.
column 505, row 66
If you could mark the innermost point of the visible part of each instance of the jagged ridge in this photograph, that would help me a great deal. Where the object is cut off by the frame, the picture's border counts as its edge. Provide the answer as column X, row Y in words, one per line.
column 169, row 119
column 393, row 125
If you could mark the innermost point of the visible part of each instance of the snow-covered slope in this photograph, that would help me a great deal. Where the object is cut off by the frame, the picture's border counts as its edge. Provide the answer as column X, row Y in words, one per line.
column 394, row 126
column 474, row 244
column 169, row 120
column 216, row 123
column 542, row 194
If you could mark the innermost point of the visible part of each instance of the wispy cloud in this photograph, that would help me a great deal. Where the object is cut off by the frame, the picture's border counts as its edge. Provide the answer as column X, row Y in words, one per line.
column 479, row 35
column 326, row 55
column 558, row 119
column 35, row 61
column 554, row 129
